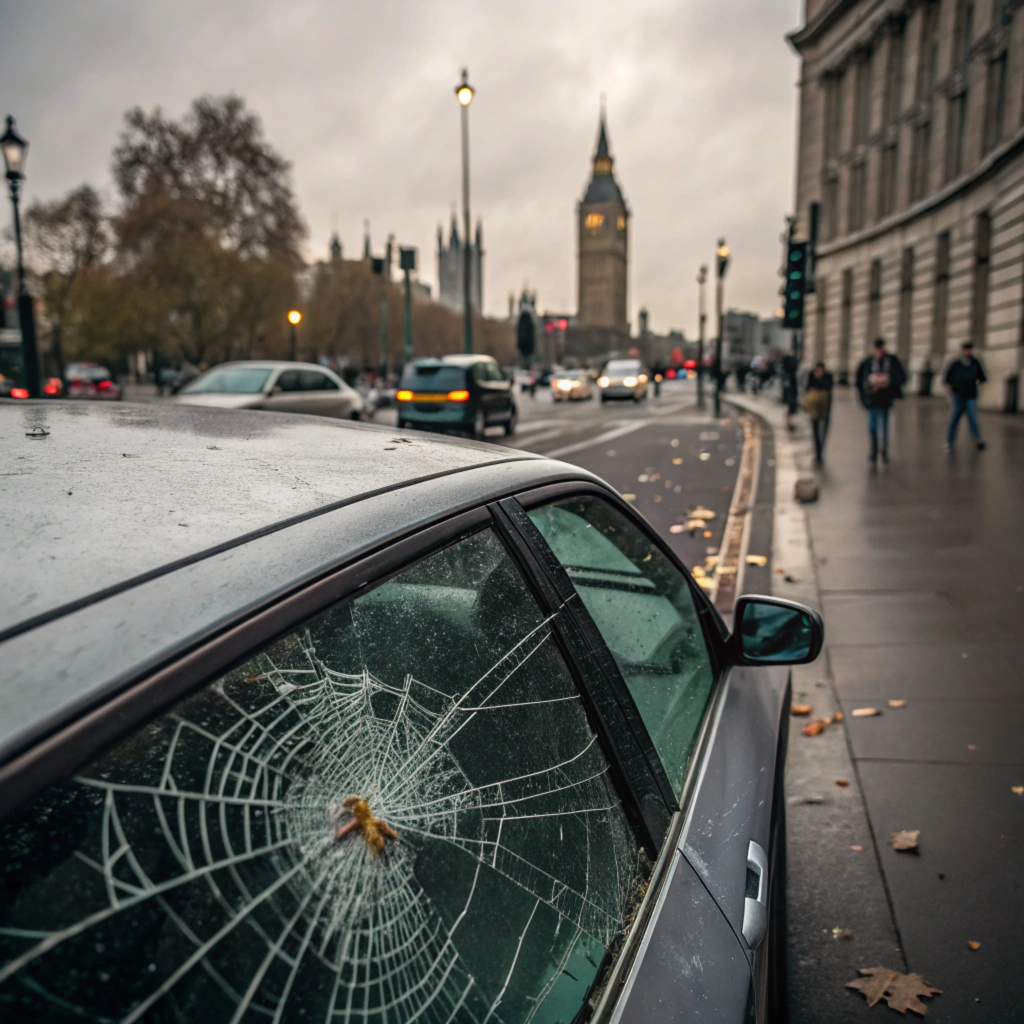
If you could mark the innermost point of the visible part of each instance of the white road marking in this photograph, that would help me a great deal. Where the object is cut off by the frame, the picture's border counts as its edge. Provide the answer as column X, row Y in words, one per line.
column 608, row 435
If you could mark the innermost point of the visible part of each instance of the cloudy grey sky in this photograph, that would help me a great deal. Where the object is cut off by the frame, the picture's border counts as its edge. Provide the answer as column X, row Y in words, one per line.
column 359, row 96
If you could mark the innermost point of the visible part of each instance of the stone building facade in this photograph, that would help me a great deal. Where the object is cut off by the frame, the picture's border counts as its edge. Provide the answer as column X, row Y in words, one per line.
column 603, row 221
column 911, row 139
column 450, row 280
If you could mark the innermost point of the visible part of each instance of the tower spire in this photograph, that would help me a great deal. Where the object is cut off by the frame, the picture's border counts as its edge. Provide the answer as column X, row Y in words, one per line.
column 602, row 155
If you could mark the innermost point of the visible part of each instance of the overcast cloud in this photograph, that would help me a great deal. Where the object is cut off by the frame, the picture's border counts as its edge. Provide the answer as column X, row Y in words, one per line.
column 359, row 97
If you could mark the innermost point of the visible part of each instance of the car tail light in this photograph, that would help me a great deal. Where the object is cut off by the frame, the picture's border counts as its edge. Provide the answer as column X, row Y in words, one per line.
column 458, row 396
column 50, row 389
column 403, row 396
column 104, row 384
column 19, row 392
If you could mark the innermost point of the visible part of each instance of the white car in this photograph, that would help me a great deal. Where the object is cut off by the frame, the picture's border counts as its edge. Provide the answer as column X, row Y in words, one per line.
column 572, row 385
column 276, row 387
column 623, row 378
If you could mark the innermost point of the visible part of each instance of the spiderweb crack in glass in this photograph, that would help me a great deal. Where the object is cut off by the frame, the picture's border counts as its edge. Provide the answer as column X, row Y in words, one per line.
column 226, row 848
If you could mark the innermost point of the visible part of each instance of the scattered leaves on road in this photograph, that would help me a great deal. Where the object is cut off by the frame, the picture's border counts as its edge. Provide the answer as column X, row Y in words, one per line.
column 801, row 709
column 897, row 703
column 905, row 840
column 901, row 991
column 819, row 725
column 761, row 560
column 974, row 945
column 842, row 782
column 865, row 712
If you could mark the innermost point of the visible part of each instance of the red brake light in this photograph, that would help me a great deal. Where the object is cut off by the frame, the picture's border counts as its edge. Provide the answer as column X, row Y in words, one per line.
column 19, row 393
column 105, row 384
column 458, row 396
column 50, row 389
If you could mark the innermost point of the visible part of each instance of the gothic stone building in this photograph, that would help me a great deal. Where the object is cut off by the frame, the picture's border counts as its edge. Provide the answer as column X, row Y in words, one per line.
column 911, row 138
column 449, row 269
column 603, row 245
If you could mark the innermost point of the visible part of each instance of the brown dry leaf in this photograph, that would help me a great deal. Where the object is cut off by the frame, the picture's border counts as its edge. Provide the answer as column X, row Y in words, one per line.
column 657, row 497
column 839, row 714
column 757, row 560
column 677, row 461
column 905, row 840
column 630, row 497
column 698, row 572
column 710, row 561
column 695, row 524
column 801, row 709
column 1019, row 790
column 865, row 712
column 900, row 991
column 842, row 782
column 708, row 534
column 815, row 727
column 857, row 849
column 897, row 703
column 974, row 945
column 781, row 572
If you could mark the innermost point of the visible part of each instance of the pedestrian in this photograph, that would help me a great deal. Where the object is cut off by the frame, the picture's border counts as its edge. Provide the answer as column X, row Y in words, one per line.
column 880, row 380
column 962, row 378
column 818, row 403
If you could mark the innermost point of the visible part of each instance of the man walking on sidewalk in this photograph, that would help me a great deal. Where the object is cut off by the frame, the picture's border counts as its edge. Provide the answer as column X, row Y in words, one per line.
column 962, row 378
column 818, row 403
column 880, row 380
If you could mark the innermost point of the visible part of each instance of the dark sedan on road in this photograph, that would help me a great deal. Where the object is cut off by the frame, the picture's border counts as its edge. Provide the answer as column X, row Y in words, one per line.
column 465, row 394
column 310, row 720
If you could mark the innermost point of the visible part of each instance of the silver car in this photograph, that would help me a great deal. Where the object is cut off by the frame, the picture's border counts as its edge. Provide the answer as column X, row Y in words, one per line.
column 623, row 378
column 276, row 387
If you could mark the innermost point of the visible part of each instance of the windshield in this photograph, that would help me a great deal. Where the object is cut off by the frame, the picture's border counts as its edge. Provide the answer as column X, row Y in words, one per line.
column 619, row 367
column 230, row 380
column 437, row 377
column 81, row 371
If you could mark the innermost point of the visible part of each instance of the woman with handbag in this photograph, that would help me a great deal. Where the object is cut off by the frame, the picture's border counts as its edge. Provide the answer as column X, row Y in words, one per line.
column 818, row 403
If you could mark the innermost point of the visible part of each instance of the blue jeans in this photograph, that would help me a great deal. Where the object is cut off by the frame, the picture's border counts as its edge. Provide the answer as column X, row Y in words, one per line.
column 878, row 423
column 963, row 405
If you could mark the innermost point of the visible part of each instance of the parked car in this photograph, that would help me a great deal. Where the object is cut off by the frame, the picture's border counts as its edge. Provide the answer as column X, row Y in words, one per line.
column 623, row 378
column 456, row 393
column 571, row 385
column 90, row 380
column 275, row 387
column 302, row 707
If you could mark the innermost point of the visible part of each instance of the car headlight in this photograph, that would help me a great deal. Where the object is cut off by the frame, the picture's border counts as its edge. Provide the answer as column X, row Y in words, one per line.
column 564, row 385
column 603, row 382
column 630, row 382
column 643, row 378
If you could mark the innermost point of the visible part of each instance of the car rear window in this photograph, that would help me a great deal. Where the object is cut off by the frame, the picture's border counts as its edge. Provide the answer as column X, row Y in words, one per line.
column 620, row 366
column 433, row 378
column 234, row 380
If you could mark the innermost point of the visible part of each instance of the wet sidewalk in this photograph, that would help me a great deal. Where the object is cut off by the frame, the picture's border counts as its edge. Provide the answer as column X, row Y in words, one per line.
column 918, row 567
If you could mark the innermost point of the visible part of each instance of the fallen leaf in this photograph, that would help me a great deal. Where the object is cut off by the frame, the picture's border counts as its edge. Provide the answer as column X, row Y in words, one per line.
column 642, row 478
column 698, row 572
column 971, row 746
column 677, row 528
column 842, row 782
column 727, row 570
column 677, row 461
column 865, row 712
column 906, row 840
column 657, row 497
column 815, row 727
column 781, row 572
column 711, row 551
column 700, row 512
column 814, row 798
column 707, row 534
column 706, row 583
column 842, row 933
column 900, row 991
column 839, row 715
column 704, row 456
column 1019, row 790
column 710, row 561
column 674, row 442
column 655, row 477
column 757, row 559
column 974, row 945
column 695, row 524
column 801, row 709
column 630, row 497
column 857, row 849
column 897, row 703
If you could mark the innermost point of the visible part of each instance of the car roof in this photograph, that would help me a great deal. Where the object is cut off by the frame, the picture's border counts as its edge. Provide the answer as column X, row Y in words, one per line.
column 456, row 360
column 112, row 492
column 269, row 364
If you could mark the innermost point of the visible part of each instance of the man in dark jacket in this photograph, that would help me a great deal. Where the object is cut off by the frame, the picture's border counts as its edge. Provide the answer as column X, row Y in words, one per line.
column 880, row 380
column 962, row 378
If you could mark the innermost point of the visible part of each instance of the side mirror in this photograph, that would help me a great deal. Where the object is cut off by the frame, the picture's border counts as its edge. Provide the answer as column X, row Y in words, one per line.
column 275, row 390
column 772, row 631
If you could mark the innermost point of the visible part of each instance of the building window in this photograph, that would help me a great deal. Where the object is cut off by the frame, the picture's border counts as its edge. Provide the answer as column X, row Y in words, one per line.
column 861, row 125
column 874, row 301
column 979, row 307
column 928, row 65
column 820, row 317
column 832, row 92
column 887, row 180
column 846, row 322
column 904, row 331
column 956, row 133
column 891, row 119
column 940, row 310
column 858, row 179
column 963, row 33
column 919, row 161
column 995, row 101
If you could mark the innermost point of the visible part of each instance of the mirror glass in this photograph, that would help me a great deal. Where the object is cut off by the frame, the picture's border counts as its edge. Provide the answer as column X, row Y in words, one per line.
column 774, row 633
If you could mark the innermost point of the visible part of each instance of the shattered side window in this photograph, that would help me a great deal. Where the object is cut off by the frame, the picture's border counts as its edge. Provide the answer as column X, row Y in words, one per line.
column 398, row 812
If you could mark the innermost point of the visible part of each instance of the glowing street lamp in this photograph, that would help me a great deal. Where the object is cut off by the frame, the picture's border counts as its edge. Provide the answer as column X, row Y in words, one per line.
column 294, row 319
column 464, row 93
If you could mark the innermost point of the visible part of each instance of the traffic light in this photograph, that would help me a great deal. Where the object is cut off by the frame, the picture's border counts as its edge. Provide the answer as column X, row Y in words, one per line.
column 796, row 284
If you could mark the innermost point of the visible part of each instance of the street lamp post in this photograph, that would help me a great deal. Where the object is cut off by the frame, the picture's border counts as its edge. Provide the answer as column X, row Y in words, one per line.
column 702, row 317
column 722, row 262
column 407, row 263
column 15, row 149
column 464, row 93
column 294, row 319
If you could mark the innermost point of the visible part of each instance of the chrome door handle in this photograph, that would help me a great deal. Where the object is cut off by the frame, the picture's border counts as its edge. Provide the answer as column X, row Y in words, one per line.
column 755, row 908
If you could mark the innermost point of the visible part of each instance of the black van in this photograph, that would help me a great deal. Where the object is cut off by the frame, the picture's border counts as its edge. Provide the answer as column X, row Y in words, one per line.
column 464, row 393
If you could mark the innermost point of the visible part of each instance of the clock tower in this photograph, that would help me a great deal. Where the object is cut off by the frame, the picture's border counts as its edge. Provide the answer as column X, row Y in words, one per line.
column 603, row 244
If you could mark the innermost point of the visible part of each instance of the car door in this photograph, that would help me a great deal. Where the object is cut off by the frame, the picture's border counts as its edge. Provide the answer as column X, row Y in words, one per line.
column 402, row 808
column 502, row 388
column 286, row 393
column 323, row 396
column 662, row 637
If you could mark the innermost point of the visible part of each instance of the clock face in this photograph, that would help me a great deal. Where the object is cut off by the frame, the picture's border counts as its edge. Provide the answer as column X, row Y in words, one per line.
column 594, row 220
